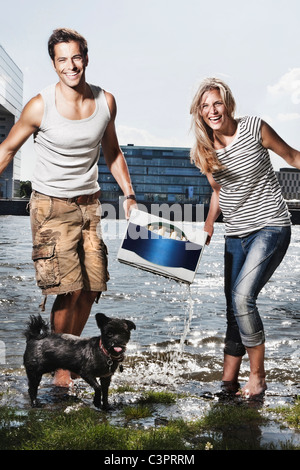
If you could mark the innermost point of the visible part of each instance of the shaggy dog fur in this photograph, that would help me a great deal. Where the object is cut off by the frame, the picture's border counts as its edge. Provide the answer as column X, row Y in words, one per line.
column 88, row 357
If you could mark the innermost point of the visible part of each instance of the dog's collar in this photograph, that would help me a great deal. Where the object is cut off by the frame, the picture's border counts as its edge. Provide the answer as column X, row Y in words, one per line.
column 118, row 358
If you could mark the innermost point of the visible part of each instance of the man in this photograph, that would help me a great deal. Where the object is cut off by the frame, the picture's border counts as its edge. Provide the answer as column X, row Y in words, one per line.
column 69, row 120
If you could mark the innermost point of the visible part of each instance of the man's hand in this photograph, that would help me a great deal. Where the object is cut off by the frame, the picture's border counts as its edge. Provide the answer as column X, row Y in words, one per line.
column 128, row 205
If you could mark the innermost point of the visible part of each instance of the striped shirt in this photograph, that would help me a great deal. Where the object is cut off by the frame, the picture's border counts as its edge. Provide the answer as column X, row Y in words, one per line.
column 250, row 196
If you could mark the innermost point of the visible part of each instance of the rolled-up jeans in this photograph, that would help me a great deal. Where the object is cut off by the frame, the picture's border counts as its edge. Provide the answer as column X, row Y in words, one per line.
column 250, row 261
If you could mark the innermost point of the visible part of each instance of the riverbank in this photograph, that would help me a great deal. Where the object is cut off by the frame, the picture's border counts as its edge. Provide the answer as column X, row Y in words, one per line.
column 177, row 347
column 146, row 419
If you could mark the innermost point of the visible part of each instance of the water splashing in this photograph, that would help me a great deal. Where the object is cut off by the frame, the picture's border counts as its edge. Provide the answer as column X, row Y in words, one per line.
column 187, row 321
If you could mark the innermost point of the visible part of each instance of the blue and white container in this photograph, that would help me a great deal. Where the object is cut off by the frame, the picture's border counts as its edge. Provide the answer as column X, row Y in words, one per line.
column 171, row 249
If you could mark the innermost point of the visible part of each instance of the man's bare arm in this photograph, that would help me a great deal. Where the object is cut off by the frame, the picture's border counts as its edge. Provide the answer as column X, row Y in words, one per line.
column 28, row 123
column 114, row 157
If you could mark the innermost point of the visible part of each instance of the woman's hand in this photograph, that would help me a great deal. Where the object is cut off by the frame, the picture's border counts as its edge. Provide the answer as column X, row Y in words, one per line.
column 209, row 229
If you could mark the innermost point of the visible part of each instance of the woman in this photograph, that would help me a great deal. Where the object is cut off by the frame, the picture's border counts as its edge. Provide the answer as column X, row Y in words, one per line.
column 233, row 154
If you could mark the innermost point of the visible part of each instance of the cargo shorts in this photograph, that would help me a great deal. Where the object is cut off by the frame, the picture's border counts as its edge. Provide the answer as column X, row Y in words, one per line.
column 68, row 251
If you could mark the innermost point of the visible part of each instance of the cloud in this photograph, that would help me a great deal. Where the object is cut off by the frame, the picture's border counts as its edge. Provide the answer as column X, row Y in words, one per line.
column 288, row 84
column 288, row 116
column 132, row 135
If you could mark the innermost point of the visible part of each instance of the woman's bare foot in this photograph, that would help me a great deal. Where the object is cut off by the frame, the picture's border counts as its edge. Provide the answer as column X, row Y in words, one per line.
column 255, row 386
column 62, row 378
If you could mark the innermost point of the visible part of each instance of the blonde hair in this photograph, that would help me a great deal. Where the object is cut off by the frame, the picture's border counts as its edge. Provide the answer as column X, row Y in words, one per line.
column 203, row 154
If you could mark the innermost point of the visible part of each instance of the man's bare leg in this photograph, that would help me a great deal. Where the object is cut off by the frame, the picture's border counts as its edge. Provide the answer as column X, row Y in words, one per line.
column 69, row 314
column 83, row 310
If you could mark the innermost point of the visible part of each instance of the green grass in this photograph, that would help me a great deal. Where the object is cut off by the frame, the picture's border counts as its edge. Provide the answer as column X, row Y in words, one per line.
column 224, row 427
column 136, row 412
column 144, row 408
column 290, row 414
column 159, row 397
column 84, row 429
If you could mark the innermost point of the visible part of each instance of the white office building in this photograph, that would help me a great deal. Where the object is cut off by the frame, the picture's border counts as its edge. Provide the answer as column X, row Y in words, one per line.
column 11, row 102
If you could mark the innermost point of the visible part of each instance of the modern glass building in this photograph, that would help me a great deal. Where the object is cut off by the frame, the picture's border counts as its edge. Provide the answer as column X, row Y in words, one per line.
column 11, row 102
column 289, row 180
column 159, row 175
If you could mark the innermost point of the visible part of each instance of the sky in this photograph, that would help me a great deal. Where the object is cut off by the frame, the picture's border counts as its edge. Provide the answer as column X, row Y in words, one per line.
column 152, row 55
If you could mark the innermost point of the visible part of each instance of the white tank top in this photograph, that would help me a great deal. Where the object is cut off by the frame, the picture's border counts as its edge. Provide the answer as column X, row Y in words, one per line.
column 68, row 150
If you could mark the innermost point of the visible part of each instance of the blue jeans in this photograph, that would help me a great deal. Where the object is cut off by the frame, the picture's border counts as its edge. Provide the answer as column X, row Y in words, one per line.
column 249, row 263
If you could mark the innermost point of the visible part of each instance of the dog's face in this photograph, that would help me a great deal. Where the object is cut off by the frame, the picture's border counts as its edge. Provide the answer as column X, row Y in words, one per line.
column 115, row 333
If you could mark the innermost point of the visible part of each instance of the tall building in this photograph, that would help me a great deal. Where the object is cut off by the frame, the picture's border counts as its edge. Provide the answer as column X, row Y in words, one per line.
column 159, row 175
column 289, row 180
column 11, row 102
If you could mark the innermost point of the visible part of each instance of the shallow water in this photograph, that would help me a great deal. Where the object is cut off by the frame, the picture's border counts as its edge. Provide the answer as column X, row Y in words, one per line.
column 178, row 343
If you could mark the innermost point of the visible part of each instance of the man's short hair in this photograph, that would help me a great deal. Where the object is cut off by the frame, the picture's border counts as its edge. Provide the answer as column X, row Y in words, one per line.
column 66, row 35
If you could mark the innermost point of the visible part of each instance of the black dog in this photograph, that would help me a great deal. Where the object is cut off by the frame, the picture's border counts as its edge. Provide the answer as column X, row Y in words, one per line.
column 88, row 357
